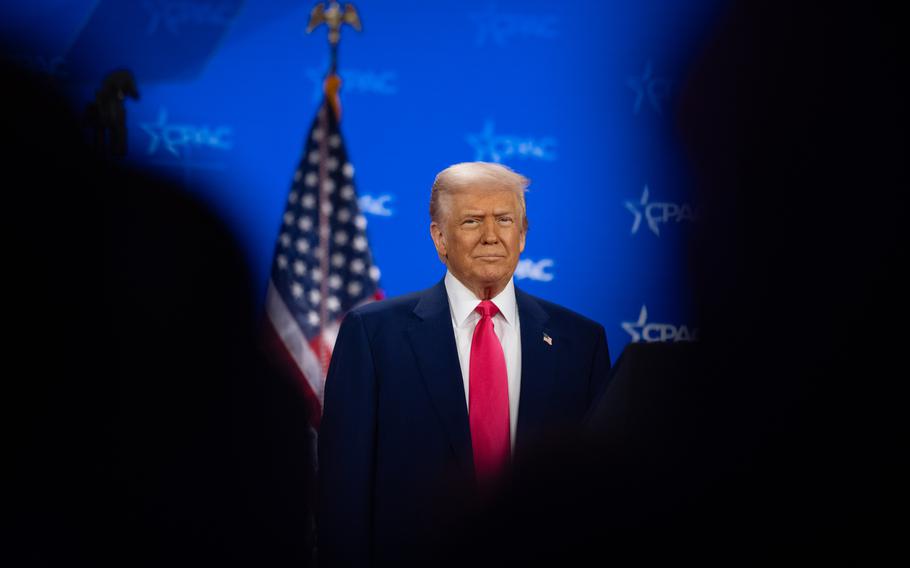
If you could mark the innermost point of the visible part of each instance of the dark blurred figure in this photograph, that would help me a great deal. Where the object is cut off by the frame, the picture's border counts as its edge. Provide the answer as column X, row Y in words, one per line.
column 780, row 438
column 148, row 430
column 106, row 115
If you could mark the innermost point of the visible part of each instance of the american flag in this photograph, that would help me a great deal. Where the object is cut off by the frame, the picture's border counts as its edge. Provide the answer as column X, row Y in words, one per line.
column 322, row 265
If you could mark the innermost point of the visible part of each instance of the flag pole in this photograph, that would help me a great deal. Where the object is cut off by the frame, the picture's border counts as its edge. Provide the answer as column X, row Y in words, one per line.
column 322, row 265
column 334, row 17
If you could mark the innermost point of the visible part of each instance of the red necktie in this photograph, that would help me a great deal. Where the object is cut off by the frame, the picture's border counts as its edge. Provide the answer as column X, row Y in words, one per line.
column 488, row 393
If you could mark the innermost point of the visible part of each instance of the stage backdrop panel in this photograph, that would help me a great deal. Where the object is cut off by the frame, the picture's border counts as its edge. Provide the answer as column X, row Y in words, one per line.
column 578, row 96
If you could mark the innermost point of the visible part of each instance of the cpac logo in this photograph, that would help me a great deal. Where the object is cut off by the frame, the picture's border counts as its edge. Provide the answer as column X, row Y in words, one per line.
column 499, row 28
column 172, row 15
column 357, row 81
column 641, row 330
column 174, row 136
column 658, row 212
column 527, row 268
column 495, row 148
column 648, row 86
column 375, row 205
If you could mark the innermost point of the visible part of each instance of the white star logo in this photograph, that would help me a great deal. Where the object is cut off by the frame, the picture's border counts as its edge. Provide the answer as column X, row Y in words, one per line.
column 634, row 328
column 655, row 89
column 633, row 208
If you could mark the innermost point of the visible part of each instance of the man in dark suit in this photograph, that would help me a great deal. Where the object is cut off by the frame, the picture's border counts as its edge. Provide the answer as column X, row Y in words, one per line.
column 432, row 397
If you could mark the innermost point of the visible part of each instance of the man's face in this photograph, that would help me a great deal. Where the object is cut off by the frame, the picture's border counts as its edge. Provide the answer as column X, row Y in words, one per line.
column 480, row 237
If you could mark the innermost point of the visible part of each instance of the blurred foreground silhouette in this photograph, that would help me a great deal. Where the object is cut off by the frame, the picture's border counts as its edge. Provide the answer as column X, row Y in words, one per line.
column 148, row 429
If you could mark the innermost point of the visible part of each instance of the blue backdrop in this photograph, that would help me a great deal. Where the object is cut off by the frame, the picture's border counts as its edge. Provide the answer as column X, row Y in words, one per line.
column 578, row 96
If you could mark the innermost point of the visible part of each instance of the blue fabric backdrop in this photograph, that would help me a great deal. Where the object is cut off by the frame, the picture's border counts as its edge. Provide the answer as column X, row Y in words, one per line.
column 578, row 96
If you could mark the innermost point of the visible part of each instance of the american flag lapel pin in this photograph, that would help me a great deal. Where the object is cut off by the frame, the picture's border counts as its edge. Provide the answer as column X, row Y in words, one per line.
column 548, row 340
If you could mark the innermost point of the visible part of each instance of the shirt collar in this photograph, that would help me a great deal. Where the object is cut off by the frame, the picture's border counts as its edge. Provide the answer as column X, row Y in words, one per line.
column 462, row 301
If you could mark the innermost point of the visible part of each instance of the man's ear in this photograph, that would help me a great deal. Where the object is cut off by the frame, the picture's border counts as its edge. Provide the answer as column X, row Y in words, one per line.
column 521, row 241
column 439, row 240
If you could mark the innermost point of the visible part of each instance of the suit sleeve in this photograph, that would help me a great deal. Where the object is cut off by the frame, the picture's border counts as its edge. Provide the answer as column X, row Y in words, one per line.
column 600, row 368
column 347, row 450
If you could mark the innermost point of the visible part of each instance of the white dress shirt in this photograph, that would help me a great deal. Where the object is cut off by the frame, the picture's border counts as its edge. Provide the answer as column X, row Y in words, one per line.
column 462, row 303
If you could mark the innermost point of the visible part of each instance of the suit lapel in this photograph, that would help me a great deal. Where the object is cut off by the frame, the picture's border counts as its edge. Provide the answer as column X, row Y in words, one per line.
column 538, row 369
column 433, row 341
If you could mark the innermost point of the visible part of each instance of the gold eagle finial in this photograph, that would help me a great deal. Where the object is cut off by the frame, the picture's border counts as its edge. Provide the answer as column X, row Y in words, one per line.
column 334, row 16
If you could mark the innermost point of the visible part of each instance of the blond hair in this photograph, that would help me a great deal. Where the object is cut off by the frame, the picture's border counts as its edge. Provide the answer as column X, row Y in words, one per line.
column 459, row 176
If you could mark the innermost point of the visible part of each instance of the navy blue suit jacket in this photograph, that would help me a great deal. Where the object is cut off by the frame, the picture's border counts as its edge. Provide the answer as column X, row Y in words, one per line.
column 395, row 456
